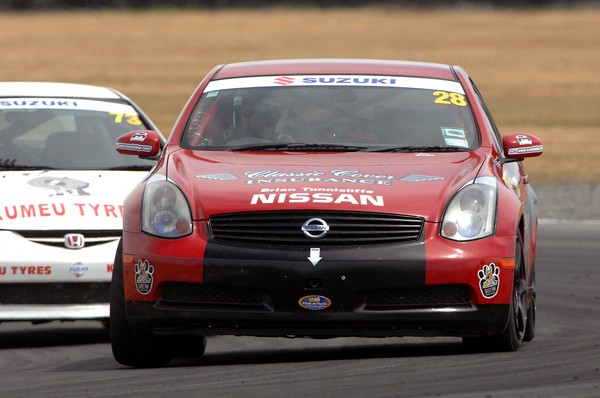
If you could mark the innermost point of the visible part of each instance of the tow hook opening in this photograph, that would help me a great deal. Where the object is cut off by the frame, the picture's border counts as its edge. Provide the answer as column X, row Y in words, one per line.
column 314, row 283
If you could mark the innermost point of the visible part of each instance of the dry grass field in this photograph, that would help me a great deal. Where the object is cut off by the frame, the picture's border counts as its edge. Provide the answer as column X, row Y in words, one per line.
column 538, row 70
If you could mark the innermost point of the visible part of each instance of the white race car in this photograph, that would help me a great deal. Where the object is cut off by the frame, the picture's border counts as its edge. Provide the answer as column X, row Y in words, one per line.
column 62, row 188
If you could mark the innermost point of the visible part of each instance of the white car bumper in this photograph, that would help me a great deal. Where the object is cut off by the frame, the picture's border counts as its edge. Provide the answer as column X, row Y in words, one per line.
column 40, row 282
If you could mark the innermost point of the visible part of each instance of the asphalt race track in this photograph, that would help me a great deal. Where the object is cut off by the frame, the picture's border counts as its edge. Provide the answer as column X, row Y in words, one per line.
column 74, row 359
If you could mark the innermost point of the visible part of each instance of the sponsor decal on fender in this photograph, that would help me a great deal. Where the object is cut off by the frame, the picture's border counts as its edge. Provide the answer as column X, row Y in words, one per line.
column 489, row 280
column 314, row 302
column 144, row 276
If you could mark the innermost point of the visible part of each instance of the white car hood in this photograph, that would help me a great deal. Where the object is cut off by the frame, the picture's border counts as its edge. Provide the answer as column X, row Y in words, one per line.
column 64, row 199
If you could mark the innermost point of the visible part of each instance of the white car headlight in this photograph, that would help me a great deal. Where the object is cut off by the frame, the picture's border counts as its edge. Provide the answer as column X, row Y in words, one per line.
column 471, row 213
column 165, row 211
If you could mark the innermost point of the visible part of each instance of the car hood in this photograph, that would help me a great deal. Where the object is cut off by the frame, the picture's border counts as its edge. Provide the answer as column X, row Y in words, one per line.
column 64, row 199
column 417, row 184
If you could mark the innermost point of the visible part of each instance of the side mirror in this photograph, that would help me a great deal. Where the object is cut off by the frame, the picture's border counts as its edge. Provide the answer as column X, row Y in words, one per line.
column 521, row 145
column 140, row 142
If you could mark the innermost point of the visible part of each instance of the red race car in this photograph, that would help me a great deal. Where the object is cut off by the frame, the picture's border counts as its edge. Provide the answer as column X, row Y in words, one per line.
column 326, row 198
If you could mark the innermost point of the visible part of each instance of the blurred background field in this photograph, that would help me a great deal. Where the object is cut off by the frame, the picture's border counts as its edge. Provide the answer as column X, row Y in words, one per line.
column 538, row 69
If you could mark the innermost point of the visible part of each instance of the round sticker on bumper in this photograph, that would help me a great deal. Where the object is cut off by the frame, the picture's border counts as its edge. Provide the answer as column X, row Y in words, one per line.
column 314, row 303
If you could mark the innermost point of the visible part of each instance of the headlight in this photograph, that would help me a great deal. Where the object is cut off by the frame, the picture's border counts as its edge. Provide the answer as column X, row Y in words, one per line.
column 471, row 213
column 165, row 211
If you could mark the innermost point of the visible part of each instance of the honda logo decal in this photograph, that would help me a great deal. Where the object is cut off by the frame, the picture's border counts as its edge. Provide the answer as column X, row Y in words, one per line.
column 74, row 241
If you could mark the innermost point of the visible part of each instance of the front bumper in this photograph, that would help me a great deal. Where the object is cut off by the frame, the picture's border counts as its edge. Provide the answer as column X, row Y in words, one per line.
column 425, row 288
column 40, row 282
column 470, row 321
column 54, row 312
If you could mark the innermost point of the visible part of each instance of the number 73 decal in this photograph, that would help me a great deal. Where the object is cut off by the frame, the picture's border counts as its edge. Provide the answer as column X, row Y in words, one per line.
column 129, row 119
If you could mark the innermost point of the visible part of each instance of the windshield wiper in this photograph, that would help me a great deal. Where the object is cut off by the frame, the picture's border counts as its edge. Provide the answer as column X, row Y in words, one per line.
column 418, row 148
column 11, row 165
column 131, row 168
column 300, row 147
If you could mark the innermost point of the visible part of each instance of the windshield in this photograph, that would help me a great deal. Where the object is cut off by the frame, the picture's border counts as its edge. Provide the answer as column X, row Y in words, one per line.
column 335, row 113
column 68, row 134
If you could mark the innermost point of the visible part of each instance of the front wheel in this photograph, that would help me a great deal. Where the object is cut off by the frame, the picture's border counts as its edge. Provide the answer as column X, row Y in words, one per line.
column 514, row 333
column 130, row 346
column 530, row 330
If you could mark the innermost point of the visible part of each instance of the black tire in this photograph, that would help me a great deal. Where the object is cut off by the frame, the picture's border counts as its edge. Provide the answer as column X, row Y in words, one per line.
column 530, row 329
column 514, row 333
column 187, row 345
column 131, row 346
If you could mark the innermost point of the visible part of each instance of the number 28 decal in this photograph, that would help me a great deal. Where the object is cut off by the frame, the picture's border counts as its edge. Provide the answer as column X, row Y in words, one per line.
column 446, row 98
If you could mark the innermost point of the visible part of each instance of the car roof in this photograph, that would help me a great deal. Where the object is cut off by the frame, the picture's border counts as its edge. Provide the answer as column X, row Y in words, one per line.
column 56, row 89
column 336, row 66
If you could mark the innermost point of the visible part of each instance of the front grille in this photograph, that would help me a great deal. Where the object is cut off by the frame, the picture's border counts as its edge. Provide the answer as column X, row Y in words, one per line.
column 208, row 295
column 345, row 228
column 418, row 297
column 54, row 293
column 56, row 238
